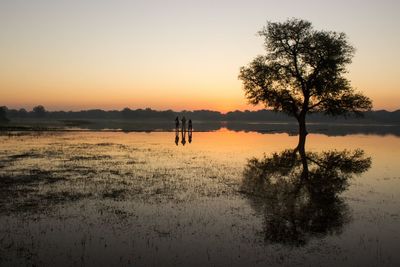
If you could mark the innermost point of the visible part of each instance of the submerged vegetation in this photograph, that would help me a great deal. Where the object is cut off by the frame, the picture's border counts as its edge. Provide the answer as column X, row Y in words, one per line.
column 81, row 182
column 100, row 170
column 90, row 198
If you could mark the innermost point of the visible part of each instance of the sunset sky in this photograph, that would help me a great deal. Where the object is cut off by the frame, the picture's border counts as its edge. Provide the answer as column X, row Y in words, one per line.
column 162, row 54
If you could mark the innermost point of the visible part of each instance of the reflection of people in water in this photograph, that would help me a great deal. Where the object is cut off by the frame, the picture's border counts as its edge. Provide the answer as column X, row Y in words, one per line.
column 190, row 134
column 299, row 195
column 183, row 131
column 190, row 131
column 183, row 138
column 177, row 124
column 176, row 136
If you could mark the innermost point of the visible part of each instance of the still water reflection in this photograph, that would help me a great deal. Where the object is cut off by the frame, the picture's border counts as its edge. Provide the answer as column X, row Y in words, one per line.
column 183, row 133
column 112, row 198
column 302, row 200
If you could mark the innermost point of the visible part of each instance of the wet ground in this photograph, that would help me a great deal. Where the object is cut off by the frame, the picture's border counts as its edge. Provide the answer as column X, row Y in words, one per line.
column 143, row 199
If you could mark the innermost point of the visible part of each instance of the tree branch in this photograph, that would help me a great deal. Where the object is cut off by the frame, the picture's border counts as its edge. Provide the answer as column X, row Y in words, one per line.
column 316, row 105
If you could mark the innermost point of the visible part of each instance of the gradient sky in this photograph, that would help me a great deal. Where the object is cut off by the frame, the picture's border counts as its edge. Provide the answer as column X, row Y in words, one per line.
column 177, row 55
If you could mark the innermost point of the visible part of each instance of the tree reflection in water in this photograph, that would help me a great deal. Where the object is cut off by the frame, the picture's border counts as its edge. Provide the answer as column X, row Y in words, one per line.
column 299, row 193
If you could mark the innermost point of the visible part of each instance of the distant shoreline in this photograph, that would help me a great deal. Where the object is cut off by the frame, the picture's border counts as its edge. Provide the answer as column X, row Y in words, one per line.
column 149, row 115
column 263, row 127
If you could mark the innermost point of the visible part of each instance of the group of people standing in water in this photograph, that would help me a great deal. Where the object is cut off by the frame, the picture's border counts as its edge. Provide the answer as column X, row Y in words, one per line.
column 183, row 130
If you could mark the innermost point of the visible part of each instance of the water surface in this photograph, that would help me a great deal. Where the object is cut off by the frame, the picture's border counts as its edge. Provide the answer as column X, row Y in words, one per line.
column 114, row 198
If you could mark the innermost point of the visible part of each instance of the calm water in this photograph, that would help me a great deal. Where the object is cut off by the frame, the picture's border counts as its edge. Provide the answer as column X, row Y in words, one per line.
column 102, row 199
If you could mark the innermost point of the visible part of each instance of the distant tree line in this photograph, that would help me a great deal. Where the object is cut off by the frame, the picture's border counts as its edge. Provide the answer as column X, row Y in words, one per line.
column 3, row 114
column 264, row 115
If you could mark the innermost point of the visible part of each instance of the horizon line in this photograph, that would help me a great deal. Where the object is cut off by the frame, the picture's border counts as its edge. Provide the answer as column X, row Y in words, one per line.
column 164, row 110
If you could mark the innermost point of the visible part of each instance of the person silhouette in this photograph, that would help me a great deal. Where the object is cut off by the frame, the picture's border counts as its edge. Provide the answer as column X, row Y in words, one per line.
column 190, row 126
column 183, row 124
column 177, row 123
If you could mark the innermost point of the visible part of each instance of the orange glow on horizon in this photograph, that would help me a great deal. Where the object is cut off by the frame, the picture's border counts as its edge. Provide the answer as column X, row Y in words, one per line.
column 69, row 55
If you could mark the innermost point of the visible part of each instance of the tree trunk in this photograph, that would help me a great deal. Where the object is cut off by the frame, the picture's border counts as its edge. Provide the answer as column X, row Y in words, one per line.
column 302, row 135
column 302, row 144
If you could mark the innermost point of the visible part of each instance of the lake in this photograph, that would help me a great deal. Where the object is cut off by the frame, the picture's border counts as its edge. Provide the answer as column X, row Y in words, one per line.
column 145, row 199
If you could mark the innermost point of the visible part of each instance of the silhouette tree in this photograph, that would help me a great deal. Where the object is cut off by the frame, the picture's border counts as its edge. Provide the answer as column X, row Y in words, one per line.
column 22, row 113
column 126, row 113
column 303, row 72
column 39, row 111
column 3, row 114
column 300, row 203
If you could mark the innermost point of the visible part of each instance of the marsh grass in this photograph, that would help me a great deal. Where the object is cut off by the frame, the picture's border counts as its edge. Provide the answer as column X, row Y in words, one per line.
column 92, row 199
column 64, row 178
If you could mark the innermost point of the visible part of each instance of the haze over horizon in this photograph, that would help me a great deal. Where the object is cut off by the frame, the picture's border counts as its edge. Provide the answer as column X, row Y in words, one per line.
column 76, row 55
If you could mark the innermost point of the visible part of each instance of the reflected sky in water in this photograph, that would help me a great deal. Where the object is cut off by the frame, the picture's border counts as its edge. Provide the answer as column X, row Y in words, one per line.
column 110, row 198
column 299, row 194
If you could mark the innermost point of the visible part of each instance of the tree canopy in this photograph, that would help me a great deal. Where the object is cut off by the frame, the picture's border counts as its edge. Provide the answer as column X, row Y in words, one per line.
column 39, row 111
column 303, row 72
column 3, row 114
column 300, row 202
